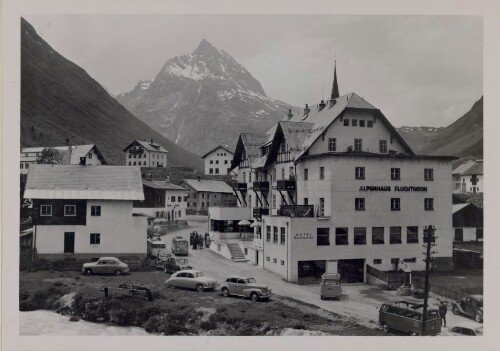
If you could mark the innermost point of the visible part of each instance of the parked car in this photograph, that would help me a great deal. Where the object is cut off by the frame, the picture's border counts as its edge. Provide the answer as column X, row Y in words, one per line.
column 467, row 331
column 106, row 265
column 180, row 246
column 246, row 287
column 407, row 317
column 161, row 259
column 174, row 264
column 191, row 279
column 471, row 306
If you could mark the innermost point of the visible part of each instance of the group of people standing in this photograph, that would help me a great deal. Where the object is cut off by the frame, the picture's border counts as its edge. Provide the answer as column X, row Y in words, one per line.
column 197, row 240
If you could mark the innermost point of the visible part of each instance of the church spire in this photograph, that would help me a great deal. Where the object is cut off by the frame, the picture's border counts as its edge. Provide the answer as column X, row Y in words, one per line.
column 335, row 88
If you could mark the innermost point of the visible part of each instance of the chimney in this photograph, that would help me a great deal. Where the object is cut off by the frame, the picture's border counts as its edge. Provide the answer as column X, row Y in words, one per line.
column 83, row 161
column 290, row 114
column 322, row 105
column 332, row 102
column 151, row 140
column 307, row 110
column 68, row 144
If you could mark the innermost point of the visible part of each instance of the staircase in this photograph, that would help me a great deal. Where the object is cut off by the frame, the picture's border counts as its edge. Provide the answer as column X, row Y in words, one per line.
column 236, row 253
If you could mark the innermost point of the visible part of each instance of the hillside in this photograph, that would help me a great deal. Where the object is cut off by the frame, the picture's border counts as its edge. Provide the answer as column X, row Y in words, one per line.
column 60, row 100
column 418, row 137
column 207, row 88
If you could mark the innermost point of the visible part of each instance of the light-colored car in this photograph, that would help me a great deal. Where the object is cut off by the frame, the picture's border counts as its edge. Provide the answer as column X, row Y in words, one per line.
column 246, row 287
column 466, row 331
column 106, row 265
column 191, row 279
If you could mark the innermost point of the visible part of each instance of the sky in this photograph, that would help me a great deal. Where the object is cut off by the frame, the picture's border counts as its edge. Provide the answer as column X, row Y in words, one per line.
column 418, row 70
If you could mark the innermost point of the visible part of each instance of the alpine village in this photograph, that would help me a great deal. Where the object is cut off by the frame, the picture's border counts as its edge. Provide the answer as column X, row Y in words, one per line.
column 319, row 220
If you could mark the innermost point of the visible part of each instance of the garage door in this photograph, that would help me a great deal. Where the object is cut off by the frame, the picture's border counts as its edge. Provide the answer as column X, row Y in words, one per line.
column 310, row 272
column 352, row 271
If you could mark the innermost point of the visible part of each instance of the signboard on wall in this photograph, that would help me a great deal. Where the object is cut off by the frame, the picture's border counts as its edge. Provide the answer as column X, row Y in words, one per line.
column 303, row 236
column 396, row 188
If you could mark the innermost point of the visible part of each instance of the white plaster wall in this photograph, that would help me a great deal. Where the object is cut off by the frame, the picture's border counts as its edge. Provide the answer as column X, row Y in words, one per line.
column 468, row 183
column 221, row 166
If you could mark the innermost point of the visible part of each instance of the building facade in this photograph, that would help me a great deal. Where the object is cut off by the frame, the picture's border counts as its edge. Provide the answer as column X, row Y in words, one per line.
column 163, row 200
column 203, row 194
column 86, row 211
column 145, row 154
column 218, row 161
column 467, row 223
column 69, row 154
column 468, row 177
column 335, row 188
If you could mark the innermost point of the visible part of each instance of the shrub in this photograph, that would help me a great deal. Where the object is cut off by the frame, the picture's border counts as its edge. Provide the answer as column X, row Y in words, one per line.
column 58, row 283
column 208, row 325
column 299, row 326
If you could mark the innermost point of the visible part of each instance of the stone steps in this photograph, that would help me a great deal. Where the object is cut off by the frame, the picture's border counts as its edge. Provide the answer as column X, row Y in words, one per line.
column 236, row 253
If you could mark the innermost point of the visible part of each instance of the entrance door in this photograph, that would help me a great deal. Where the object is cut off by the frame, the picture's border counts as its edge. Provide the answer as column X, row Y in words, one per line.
column 69, row 242
column 459, row 234
column 352, row 271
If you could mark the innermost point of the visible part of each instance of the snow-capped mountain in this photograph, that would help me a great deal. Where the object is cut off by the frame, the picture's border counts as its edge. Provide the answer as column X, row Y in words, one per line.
column 203, row 99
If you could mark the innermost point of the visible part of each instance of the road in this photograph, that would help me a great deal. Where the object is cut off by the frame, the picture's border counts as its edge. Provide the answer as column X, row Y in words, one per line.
column 358, row 301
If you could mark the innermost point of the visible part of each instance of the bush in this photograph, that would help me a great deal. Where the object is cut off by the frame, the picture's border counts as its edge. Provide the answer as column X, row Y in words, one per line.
column 208, row 325
column 58, row 283
column 299, row 326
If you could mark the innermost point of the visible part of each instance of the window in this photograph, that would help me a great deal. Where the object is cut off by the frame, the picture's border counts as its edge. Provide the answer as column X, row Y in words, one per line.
column 268, row 233
column 130, row 163
column 322, row 173
column 411, row 235
column 361, row 122
column 70, row 210
column 428, row 174
column 172, row 199
column 46, row 210
column 377, row 235
column 246, row 251
column 95, row 210
column 282, row 262
column 291, row 174
column 274, row 174
column 359, row 173
column 411, row 260
column 27, row 166
column 377, row 261
column 22, row 165
column 282, row 173
column 359, row 236
column 321, row 206
column 202, row 204
column 323, row 236
column 479, row 233
column 90, row 155
column 306, row 174
column 332, row 144
column 359, row 204
column 429, row 204
column 95, row 239
column 282, row 236
column 346, row 122
column 354, row 123
column 275, row 260
column 211, row 171
column 268, row 258
column 225, row 162
column 395, row 173
column 341, row 237
column 306, row 201
column 216, row 162
column 395, row 235
column 382, row 146
column 202, row 196
column 179, row 198
column 395, row 204
column 275, row 235
column 274, row 200
column 358, row 144
column 369, row 124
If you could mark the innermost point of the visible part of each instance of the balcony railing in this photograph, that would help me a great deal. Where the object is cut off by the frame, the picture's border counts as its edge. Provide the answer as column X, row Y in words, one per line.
column 296, row 211
column 240, row 187
column 261, row 186
column 288, row 185
column 258, row 212
column 136, row 151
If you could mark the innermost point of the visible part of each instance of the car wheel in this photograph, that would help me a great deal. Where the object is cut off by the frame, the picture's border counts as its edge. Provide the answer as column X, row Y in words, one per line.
column 478, row 317
column 199, row 287
column 88, row 271
column 254, row 297
column 455, row 310
column 118, row 272
column 385, row 327
column 225, row 292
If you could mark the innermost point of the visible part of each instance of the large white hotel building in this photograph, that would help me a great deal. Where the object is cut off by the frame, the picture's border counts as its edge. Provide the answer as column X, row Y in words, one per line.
column 335, row 188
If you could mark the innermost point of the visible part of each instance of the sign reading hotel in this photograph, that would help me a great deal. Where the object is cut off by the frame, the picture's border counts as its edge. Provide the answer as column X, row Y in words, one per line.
column 303, row 236
column 389, row 188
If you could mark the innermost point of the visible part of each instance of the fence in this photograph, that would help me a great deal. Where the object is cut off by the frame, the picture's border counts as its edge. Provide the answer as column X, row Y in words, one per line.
column 392, row 279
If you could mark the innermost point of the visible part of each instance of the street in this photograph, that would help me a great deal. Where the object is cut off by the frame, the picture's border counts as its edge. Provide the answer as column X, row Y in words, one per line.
column 358, row 301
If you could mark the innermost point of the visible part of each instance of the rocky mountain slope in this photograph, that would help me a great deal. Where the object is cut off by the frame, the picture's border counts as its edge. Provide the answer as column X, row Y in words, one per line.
column 203, row 99
column 418, row 137
column 60, row 100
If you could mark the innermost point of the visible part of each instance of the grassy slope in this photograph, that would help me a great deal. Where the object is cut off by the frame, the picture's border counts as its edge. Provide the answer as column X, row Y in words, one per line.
column 60, row 100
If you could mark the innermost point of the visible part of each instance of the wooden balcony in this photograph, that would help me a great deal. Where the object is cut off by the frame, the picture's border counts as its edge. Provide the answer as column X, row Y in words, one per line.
column 136, row 151
column 261, row 186
column 240, row 187
column 287, row 185
column 258, row 212
column 296, row 211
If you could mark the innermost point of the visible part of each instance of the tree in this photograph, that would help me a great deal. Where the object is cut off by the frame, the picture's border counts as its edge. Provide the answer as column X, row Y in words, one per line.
column 50, row 156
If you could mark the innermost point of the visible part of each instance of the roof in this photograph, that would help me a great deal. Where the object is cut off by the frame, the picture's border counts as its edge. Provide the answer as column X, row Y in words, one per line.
column 458, row 207
column 69, row 156
column 209, row 186
column 251, row 143
column 475, row 169
column 463, row 167
column 147, row 145
column 217, row 147
column 84, row 182
column 160, row 184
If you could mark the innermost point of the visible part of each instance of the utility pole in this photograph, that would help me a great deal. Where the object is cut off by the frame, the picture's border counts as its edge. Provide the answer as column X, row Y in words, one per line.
column 429, row 242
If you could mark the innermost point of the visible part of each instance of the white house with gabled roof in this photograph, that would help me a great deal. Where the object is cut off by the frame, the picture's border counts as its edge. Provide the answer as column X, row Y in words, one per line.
column 84, row 211
column 145, row 154
column 218, row 161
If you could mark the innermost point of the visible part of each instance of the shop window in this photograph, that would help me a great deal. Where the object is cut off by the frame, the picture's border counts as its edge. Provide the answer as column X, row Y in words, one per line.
column 412, row 235
column 395, row 235
column 359, row 236
column 323, row 236
column 428, row 174
column 359, row 172
column 359, row 204
column 395, row 173
column 395, row 204
column 429, row 204
column 341, row 236
column 377, row 235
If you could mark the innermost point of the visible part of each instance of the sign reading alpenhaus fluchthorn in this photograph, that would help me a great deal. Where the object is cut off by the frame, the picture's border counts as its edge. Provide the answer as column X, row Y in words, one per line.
column 389, row 188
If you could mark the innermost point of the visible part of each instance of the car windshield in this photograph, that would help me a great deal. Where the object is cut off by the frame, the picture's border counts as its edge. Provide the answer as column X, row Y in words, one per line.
column 250, row 280
column 182, row 261
column 198, row 274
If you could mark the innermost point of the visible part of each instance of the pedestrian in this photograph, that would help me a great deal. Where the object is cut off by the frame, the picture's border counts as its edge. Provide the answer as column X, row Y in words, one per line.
column 200, row 241
column 207, row 240
column 442, row 313
column 195, row 240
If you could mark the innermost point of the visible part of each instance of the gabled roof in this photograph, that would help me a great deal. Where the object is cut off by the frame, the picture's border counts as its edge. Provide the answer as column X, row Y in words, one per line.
column 147, row 145
column 160, row 184
column 250, row 143
column 463, row 167
column 218, row 147
column 69, row 157
column 458, row 207
column 84, row 182
column 208, row 186
column 475, row 169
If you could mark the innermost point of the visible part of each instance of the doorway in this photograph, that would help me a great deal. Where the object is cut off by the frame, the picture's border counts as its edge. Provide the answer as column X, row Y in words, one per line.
column 352, row 271
column 69, row 242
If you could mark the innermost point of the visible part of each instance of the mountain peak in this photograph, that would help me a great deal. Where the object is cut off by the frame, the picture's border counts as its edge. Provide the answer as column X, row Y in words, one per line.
column 205, row 47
